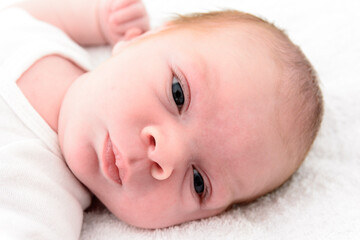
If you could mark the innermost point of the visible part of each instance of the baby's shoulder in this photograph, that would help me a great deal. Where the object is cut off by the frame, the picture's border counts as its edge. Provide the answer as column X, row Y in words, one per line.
column 47, row 68
column 43, row 82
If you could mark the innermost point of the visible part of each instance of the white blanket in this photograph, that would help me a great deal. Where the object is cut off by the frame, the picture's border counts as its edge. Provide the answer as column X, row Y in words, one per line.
column 322, row 200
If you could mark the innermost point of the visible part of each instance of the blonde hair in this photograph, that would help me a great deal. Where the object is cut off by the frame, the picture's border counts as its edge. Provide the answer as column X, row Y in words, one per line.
column 299, row 91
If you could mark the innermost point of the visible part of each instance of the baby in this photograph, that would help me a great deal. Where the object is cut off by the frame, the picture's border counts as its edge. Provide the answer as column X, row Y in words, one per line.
column 179, row 124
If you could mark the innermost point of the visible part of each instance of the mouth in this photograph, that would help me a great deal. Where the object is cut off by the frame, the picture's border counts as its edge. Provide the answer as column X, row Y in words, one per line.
column 110, row 169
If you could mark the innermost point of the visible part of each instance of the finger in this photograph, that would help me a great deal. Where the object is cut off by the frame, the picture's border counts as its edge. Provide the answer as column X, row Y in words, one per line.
column 141, row 23
column 132, row 33
column 117, row 4
column 127, row 14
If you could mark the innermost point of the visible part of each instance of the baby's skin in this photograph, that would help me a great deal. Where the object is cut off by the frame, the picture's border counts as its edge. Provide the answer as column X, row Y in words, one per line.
column 174, row 126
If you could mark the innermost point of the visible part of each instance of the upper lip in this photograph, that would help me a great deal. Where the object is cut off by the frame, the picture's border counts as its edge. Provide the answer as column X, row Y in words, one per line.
column 109, row 161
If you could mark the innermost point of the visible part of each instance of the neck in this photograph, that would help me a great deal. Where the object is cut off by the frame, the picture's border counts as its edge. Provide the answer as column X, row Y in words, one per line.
column 45, row 84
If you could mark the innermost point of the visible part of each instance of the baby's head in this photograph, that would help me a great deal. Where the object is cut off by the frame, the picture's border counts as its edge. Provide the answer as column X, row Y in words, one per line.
column 179, row 124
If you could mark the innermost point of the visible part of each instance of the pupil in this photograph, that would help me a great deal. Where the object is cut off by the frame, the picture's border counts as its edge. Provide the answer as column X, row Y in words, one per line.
column 198, row 182
column 178, row 94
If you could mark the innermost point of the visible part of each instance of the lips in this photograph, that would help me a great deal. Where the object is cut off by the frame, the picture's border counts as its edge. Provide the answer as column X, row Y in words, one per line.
column 109, row 162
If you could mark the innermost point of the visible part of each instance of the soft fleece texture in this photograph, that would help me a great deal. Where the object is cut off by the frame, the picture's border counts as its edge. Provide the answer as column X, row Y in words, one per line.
column 322, row 200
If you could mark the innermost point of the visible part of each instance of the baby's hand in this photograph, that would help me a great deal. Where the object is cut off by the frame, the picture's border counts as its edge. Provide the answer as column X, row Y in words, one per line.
column 122, row 19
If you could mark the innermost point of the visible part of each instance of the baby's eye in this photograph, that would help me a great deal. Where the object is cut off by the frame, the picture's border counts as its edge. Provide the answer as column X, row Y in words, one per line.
column 198, row 183
column 177, row 93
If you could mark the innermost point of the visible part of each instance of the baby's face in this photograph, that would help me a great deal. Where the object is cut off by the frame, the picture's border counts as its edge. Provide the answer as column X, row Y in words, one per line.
column 175, row 127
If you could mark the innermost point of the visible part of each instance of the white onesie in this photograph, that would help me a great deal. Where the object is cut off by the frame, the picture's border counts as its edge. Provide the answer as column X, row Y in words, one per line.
column 39, row 196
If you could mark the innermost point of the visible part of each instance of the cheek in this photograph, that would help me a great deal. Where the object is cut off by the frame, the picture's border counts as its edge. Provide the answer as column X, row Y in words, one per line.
column 151, row 212
column 133, row 105
column 76, row 131
column 80, row 157
column 148, row 204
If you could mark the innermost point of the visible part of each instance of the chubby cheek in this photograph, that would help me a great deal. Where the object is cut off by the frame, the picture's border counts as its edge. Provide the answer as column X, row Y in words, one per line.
column 151, row 204
column 150, row 212
column 79, row 152
column 134, row 107
column 82, row 161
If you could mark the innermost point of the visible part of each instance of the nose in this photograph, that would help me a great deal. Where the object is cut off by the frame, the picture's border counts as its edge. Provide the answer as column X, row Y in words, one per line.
column 164, row 150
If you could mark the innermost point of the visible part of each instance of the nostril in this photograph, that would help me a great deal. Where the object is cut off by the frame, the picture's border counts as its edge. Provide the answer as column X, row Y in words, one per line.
column 152, row 141
column 148, row 136
column 158, row 167
column 158, row 172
